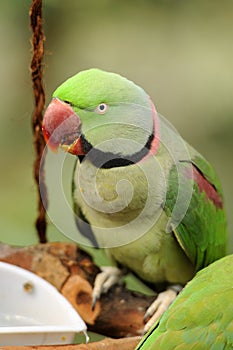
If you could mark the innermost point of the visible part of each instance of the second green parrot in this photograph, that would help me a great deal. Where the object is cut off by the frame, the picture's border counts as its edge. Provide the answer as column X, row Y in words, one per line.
column 201, row 318
column 139, row 189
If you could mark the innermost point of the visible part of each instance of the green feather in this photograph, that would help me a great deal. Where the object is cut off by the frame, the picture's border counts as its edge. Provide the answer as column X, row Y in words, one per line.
column 201, row 317
column 202, row 231
column 99, row 90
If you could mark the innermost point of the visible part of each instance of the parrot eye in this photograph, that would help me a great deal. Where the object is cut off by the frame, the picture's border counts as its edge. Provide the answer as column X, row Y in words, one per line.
column 102, row 108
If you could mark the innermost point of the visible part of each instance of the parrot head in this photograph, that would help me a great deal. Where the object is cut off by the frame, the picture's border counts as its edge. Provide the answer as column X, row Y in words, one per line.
column 101, row 114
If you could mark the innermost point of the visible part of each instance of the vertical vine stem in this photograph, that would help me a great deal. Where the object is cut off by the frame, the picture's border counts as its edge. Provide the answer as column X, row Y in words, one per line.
column 38, row 39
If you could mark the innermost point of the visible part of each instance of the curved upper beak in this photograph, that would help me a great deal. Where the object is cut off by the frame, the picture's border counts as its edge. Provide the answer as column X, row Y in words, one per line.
column 62, row 127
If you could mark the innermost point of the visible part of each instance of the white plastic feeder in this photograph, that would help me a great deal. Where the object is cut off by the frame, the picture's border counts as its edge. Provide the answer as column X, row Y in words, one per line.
column 33, row 312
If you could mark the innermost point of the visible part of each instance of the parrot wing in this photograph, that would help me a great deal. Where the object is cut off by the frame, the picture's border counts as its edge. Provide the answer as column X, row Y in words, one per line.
column 202, row 231
column 198, row 318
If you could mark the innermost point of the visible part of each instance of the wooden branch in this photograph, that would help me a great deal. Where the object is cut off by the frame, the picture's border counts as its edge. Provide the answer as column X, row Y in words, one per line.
column 72, row 271
column 105, row 344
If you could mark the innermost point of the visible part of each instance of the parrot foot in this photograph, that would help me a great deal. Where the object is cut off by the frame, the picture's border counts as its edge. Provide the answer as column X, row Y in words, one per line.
column 109, row 276
column 160, row 305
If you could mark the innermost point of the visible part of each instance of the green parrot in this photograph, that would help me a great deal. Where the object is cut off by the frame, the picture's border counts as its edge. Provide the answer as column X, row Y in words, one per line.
column 198, row 318
column 139, row 190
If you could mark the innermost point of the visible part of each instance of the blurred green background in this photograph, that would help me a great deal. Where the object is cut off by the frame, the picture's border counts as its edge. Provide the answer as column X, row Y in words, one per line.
column 179, row 51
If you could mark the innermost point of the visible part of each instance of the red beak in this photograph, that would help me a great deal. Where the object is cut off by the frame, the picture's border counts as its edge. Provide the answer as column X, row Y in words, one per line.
column 62, row 127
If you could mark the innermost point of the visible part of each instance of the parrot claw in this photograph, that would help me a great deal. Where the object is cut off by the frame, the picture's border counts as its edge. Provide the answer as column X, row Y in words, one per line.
column 104, row 280
column 160, row 305
column 94, row 300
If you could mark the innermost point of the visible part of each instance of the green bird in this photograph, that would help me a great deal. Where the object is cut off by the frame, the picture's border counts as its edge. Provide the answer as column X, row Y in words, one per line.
column 139, row 189
column 198, row 318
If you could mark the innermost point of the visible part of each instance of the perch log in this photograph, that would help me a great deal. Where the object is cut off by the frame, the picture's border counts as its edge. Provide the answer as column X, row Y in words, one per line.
column 71, row 270
column 105, row 344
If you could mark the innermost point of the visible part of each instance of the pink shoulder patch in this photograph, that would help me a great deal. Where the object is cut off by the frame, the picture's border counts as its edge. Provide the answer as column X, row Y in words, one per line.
column 205, row 186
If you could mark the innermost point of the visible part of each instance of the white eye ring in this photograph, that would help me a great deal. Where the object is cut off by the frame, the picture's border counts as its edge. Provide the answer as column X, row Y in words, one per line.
column 101, row 108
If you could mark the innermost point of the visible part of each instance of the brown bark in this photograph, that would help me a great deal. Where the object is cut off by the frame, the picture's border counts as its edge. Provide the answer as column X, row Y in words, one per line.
column 71, row 270
column 37, row 42
column 105, row 344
